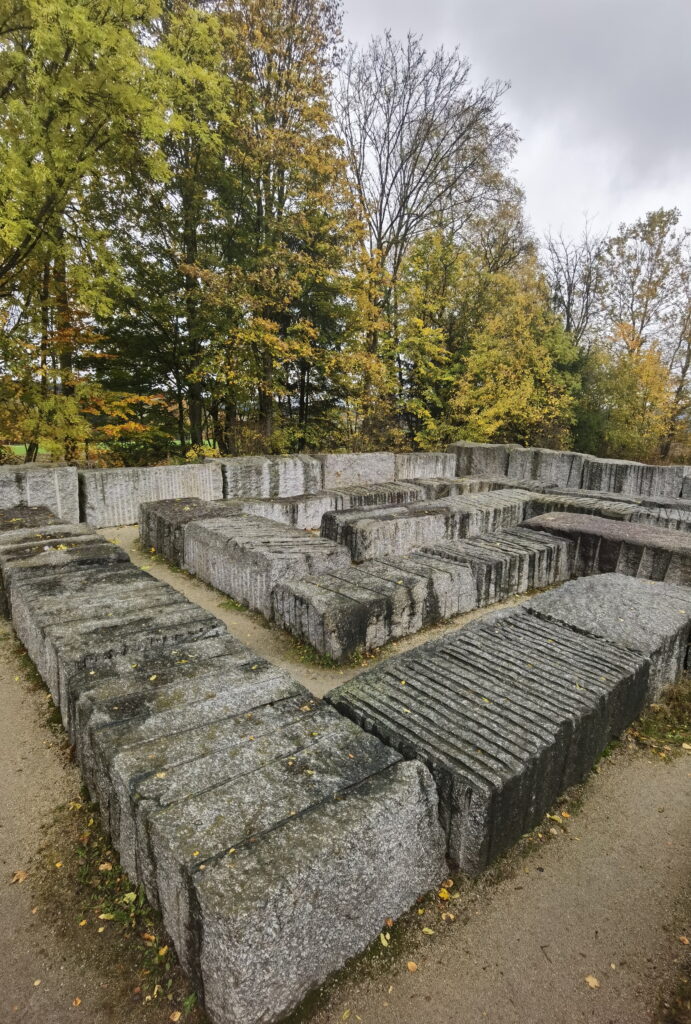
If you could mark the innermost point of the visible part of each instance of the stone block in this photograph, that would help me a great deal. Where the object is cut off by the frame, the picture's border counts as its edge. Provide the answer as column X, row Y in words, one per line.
column 382, row 533
column 422, row 465
column 246, row 556
column 111, row 497
column 506, row 713
column 305, row 512
column 638, row 615
column 283, row 476
column 511, row 561
column 162, row 523
column 486, row 460
column 52, row 487
column 366, row 606
column 293, row 907
column 357, row 469
column 632, row 477
column 634, row 549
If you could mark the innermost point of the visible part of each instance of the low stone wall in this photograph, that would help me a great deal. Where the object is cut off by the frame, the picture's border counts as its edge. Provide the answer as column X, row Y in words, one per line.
column 111, row 497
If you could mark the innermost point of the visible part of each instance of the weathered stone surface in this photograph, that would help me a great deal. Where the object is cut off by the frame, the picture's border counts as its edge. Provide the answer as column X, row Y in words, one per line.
column 306, row 511
column 486, row 460
column 284, row 476
column 365, row 468
column 183, row 721
column 635, row 549
column 382, row 533
column 52, row 487
column 111, row 497
column 422, row 465
column 509, row 562
column 22, row 517
column 506, row 713
column 561, row 469
column 162, row 523
column 642, row 616
column 620, row 509
column 343, row 867
column 632, row 477
column 368, row 605
column 50, row 546
column 255, row 793
column 365, row 606
column 686, row 487
column 246, row 556
column 86, row 616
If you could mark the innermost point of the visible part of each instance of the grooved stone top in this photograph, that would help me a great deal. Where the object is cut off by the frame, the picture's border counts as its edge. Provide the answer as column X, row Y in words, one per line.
column 506, row 713
column 259, row 476
column 422, row 465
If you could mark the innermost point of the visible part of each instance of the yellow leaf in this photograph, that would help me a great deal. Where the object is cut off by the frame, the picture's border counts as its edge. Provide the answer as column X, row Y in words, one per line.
column 444, row 894
column 105, row 866
column 163, row 950
column 106, row 917
column 151, row 678
column 58, row 864
column 83, row 922
column 412, row 966
column 684, row 940
column 383, row 939
column 37, row 982
column 129, row 897
column 428, row 931
column 76, row 1001
column 592, row 981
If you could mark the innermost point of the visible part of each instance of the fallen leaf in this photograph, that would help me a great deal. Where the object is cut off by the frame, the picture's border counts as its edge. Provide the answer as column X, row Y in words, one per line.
column 175, row 1016
column 37, row 982
column 592, row 981
column 163, row 950
column 428, row 931
column 412, row 966
column 105, row 866
column 129, row 897
column 389, row 922
column 148, row 937
column 19, row 877
column 383, row 939
column 83, row 922
column 106, row 917
column 444, row 894
column 684, row 940
column 686, row 746
column 58, row 863
column 76, row 1001
column 565, row 814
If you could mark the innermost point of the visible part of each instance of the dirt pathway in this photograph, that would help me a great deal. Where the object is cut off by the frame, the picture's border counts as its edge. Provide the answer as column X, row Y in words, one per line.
column 611, row 888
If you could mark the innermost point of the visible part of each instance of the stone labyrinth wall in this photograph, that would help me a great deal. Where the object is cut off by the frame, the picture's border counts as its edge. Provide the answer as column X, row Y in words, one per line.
column 277, row 832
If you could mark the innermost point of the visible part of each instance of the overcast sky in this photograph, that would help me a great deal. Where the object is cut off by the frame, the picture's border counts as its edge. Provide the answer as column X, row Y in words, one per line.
column 600, row 93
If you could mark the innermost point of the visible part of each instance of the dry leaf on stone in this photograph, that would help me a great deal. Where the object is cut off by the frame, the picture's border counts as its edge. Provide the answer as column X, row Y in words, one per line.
column 412, row 966
column 592, row 981
column 18, row 877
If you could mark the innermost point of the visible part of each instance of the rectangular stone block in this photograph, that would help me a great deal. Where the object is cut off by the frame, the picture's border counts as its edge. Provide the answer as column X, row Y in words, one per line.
column 381, row 842
column 52, row 487
column 382, row 533
column 632, row 477
column 357, row 469
column 556, row 468
column 634, row 549
column 111, row 497
column 162, row 523
column 280, row 476
column 638, row 615
column 305, row 512
column 512, row 561
column 422, row 465
column 366, row 606
column 479, row 459
column 246, row 556
column 506, row 713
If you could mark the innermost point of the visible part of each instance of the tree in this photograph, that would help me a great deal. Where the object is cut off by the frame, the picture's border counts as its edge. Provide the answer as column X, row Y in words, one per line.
column 519, row 383
column 575, row 272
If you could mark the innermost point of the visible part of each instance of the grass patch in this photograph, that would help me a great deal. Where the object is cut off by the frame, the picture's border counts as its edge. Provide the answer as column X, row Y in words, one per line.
column 666, row 726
